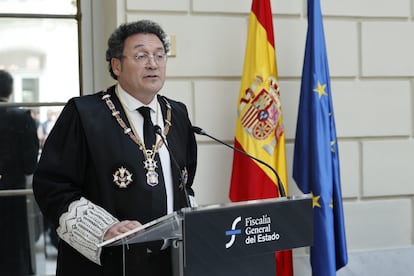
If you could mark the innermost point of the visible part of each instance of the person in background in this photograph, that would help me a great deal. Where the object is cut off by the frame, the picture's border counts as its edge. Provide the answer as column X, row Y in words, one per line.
column 19, row 147
column 103, row 171
column 45, row 127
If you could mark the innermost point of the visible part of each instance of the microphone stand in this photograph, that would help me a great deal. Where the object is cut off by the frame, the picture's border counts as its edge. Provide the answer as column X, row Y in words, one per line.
column 281, row 189
column 158, row 131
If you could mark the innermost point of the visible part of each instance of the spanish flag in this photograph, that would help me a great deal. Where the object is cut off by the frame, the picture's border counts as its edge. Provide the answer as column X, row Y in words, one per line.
column 259, row 128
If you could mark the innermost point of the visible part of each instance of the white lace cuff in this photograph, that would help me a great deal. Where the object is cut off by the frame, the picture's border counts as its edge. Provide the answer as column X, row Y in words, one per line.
column 83, row 227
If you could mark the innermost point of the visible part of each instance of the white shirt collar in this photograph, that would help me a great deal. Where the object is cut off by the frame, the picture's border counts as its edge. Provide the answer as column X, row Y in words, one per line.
column 133, row 104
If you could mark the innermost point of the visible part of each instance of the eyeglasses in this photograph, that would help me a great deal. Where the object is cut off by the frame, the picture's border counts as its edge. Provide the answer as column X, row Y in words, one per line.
column 144, row 59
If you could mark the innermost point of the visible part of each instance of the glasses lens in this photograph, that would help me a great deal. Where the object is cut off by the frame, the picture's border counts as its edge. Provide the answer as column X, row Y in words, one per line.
column 144, row 59
column 160, row 59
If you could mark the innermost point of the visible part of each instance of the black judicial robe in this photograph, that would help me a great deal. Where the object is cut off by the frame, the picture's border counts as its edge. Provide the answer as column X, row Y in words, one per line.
column 19, row 147
column 83, row 151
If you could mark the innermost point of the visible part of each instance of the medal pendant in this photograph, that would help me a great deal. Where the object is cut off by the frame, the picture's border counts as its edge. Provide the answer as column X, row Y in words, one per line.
column 152, row 175
column 152, row 178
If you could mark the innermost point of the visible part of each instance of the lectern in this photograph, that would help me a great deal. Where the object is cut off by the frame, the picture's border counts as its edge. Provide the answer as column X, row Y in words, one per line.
column 229, row 239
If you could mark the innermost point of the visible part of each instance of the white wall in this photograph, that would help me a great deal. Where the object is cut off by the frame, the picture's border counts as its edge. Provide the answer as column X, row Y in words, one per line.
column 369, row 44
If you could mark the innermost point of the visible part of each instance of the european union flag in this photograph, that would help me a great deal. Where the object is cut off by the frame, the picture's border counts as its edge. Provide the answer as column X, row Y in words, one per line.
column 316, row 160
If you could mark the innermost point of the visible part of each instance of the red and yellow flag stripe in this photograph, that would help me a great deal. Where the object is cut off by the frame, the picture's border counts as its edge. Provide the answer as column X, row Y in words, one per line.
column 259, row 127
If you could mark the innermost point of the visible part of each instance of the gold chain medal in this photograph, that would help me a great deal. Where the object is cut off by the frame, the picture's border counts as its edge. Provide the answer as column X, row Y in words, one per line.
column 150, row 164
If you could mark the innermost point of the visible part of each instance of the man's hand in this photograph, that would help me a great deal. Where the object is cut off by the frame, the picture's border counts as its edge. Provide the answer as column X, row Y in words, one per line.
column 120, row 228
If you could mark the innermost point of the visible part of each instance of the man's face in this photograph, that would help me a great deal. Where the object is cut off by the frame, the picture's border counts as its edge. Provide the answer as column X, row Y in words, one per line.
column 141, row 72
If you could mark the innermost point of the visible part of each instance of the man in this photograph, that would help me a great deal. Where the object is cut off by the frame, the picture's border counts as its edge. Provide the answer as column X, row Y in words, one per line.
column 18, row 156
column 98, row 176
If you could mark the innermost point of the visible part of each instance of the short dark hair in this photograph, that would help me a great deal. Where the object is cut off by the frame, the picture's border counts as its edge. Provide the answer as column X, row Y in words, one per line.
column 116, row 41
column 6, row 84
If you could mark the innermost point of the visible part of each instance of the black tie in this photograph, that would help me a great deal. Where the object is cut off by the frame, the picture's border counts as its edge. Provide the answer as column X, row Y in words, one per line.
column 149, row 131
column 159, row 198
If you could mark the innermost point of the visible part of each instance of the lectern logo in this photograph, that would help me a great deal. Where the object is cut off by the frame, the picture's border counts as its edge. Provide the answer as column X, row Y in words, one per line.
column 233, row 232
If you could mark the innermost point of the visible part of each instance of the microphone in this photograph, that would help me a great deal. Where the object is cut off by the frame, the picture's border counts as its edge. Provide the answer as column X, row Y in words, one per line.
column 281, row 189
column 158, row 130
